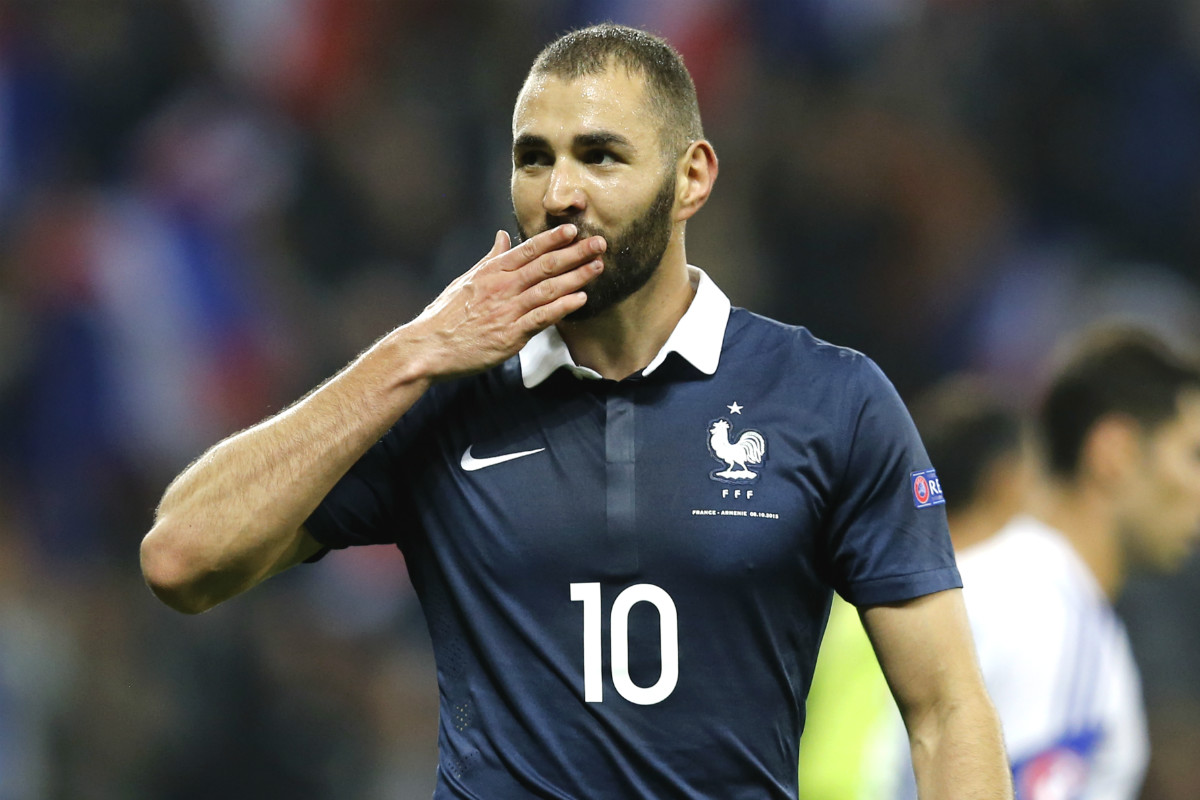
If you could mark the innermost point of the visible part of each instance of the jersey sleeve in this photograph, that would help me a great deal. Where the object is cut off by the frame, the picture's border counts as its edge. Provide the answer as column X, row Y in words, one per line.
column 888, row 539
column 372, row 504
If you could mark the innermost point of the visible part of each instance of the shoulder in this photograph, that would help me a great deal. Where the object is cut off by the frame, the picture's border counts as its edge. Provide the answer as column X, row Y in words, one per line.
column 748, row 329
column 794, row 351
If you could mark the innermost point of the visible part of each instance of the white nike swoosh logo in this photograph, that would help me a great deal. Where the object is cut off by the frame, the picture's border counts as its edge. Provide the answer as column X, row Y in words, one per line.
column 470, row 463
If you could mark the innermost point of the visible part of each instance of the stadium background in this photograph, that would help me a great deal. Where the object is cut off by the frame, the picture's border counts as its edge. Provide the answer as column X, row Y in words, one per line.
column 207, row 206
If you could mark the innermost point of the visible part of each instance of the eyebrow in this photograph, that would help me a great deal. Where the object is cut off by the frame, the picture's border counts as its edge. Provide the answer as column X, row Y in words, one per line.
column 601, row 139
column 529, row 141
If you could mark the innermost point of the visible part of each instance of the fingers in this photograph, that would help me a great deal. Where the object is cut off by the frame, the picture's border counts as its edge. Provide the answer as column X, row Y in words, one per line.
column 556, row 272
column 557, row 262
column 537, row 246
column 543, row 316
column 551, row 289
column 550, row 282
column 548, row 253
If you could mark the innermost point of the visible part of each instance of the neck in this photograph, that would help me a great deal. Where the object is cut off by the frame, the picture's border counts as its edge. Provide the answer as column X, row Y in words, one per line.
column 626, row 337
column 1083, row 514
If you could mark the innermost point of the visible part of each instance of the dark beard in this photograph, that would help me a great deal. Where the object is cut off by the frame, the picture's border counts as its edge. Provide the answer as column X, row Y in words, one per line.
column 632, row 256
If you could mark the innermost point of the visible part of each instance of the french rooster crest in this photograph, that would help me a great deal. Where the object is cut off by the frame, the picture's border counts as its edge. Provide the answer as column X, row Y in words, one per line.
column 750, row 448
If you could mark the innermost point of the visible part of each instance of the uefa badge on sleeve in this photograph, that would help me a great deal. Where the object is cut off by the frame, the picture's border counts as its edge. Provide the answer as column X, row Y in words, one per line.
column 927, row 489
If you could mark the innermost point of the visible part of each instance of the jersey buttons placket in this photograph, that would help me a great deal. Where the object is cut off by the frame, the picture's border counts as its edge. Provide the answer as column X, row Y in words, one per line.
column 620, row 452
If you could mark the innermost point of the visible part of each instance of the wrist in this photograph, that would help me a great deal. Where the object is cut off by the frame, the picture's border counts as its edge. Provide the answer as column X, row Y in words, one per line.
column 412, row 359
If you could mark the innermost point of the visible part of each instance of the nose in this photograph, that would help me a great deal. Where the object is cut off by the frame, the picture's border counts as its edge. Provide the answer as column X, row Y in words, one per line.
column 564, row 195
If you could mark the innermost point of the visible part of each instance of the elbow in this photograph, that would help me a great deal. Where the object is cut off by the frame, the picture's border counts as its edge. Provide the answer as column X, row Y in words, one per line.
column 167, row 570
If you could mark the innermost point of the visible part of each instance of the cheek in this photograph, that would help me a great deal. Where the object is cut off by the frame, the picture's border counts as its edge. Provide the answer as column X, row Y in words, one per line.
column 1173, row 503
column 1185, row 481
column 526, row 198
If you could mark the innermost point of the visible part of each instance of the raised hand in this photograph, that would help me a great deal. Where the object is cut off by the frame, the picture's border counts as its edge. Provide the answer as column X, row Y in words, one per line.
column 487, row 314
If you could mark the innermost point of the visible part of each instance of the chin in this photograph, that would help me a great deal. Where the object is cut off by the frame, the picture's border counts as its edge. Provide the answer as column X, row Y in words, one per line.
column 595, row 306
column 1168, row 560
column 583, row 314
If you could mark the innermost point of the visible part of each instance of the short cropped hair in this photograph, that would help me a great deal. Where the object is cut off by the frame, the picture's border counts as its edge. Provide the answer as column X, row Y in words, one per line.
column 1111, row 370
column 669, row 87
column 967, row 428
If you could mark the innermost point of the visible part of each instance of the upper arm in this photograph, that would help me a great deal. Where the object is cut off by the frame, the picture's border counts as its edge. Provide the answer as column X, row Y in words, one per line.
column 883, row 542
column 926, row 651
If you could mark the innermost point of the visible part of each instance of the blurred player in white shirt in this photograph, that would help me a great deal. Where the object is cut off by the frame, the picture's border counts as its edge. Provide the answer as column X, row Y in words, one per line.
column 1057, row 658
column 1119, row 431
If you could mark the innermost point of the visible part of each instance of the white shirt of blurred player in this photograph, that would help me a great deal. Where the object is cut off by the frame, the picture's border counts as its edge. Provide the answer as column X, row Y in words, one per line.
column 1058, row 665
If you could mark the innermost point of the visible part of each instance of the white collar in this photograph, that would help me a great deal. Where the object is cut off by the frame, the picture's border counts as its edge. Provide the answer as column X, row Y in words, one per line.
column 697, row 337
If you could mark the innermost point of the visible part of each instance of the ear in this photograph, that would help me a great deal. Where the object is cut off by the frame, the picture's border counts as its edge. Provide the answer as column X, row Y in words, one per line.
column 1111, row 450
column 696, row 173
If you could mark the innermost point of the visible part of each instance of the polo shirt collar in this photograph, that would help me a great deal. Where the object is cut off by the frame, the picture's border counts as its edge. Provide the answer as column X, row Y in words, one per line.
column 697, row 337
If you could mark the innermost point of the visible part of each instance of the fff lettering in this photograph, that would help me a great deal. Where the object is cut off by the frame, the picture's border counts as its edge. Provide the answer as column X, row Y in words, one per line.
column 738, row 493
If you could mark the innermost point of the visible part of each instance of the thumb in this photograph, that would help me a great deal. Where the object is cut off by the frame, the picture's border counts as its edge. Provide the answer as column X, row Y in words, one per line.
column 500, row 245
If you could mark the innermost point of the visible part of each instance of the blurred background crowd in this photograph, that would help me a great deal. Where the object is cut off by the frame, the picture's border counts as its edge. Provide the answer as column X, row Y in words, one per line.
column 207, row 206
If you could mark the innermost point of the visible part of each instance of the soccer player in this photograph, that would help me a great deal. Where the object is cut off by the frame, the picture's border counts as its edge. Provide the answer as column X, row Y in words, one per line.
column 624, row 505
column 1119, row 430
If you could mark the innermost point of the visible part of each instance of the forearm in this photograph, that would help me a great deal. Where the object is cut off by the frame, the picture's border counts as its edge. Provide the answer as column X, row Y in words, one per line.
column 927, row 653
column 958, row 753
column 234, row 517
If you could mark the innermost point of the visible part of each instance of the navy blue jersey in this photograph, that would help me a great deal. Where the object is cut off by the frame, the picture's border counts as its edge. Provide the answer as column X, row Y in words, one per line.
column 626, row 582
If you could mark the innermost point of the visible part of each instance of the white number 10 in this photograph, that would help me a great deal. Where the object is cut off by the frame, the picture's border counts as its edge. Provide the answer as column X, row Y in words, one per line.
column 668, row 631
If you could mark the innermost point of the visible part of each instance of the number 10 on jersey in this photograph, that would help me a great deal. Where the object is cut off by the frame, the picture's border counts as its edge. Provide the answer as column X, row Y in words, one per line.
column 668, row 629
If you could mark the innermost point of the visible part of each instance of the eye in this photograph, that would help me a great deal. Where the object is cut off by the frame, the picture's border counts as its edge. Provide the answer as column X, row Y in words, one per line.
column 531, row 158
column 599, row 157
